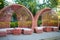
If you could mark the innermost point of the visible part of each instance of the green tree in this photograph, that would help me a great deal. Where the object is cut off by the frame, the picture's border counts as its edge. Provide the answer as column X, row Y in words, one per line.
column 34, row 6
column 52, row 3
column 1, row 4
column 48, row 3
column 6, row 3
column 30, row 4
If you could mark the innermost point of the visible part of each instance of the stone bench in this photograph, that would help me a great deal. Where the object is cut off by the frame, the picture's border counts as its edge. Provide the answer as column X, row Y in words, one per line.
column 38, row 29
column 16, row 31
column 3, row 32
column 26, row 31
column 55, row 28
column 9, row 30
column 47, row 29
column 51, row 28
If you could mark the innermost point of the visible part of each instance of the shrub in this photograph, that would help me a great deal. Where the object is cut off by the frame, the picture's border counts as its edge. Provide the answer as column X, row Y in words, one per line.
column 13, row 24
column 39, row 22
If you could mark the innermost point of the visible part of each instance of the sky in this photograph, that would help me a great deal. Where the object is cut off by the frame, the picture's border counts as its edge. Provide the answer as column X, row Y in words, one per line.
column 10, row 1
column 40, row 1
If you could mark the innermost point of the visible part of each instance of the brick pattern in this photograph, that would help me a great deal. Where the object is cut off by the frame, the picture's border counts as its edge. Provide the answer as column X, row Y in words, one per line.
column 10, row 31
column 27, row 32
column 55, row 29
column 3, row 34
column 4, row 24
column 39, row 13
column 6, row 14
column 36, row 30
column 16, row 31
column 47, row 29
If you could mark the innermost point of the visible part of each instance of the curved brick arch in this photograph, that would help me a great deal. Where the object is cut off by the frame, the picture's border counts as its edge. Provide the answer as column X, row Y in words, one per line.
column 6, row 14
column 39, row 13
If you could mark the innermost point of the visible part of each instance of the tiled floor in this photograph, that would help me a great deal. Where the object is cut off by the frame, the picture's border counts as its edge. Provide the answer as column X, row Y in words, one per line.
column 34, row 36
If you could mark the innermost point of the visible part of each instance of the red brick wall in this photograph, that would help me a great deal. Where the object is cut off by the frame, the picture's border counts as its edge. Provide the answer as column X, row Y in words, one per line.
column 39, row 13
column 6, row 14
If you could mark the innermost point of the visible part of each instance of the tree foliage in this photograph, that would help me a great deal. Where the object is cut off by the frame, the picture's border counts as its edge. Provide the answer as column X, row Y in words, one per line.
column 34, row 6
column 48, row 3
column 1, row 4
column 30, row 4
column 52, row 3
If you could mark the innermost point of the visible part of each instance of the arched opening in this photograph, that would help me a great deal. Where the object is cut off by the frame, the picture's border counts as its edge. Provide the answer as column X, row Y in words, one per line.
column 50, row 18
column 39, row 22
column 24, row 18
column 14, row 21
column 47, row 16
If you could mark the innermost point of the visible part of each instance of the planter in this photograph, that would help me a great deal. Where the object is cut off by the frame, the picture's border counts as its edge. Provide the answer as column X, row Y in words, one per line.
column 38, row 30
column 47, row 29
column 55, row 29
column 3, row 32
column 9, row 30
column 27, row 31
column 16, row 31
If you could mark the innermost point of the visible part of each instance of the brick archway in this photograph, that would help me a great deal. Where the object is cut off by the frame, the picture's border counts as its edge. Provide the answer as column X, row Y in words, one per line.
column 6, row 14
column 39, row 13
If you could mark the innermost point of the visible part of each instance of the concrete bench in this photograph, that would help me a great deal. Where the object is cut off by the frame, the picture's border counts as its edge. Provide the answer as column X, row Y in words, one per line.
column 9, row 30
column 47, row 29
column 55, row 28
column 3, row 32
column 17, row 31
column 38, row 29
column 26, row 31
